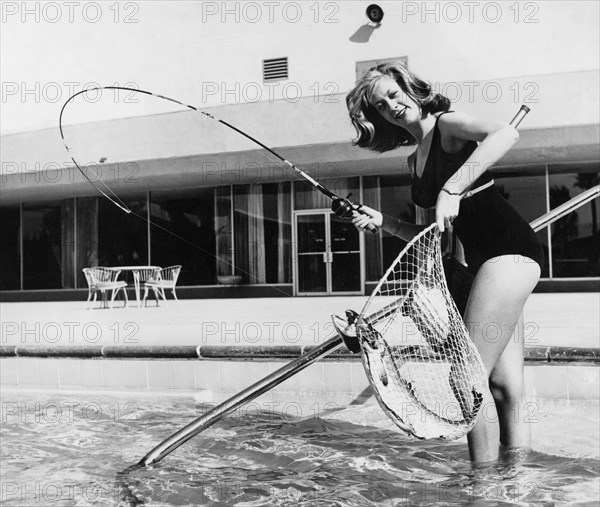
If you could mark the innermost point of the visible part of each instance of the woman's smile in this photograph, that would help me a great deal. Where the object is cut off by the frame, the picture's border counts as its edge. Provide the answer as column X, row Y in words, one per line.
column 401, row 113
column 392, row 103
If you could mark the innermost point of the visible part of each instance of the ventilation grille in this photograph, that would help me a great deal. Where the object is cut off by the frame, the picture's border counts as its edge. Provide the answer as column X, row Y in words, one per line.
column 275, row 69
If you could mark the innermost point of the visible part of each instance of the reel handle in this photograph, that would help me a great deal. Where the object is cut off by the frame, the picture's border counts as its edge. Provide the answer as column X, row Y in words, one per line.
column 344, row 208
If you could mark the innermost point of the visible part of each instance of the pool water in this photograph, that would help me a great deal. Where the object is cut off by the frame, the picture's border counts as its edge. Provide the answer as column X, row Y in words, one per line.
column 66, row 450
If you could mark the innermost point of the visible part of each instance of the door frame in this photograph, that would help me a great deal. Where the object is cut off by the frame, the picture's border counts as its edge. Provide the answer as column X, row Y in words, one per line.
column 296, row 275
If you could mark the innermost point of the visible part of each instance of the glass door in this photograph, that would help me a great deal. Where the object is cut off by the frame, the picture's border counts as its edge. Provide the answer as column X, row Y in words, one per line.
column 344, row 246
column 311, row 254
column 328, row 255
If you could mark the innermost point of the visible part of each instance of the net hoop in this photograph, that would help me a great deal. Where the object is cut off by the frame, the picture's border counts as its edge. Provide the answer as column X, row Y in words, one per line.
column 432, row 387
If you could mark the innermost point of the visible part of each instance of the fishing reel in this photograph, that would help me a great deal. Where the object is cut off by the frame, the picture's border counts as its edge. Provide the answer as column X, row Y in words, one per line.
column 344, row 208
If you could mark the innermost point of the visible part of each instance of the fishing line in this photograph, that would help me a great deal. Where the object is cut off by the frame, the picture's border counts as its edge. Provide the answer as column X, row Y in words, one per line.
column 306, row 178
column 115, row 200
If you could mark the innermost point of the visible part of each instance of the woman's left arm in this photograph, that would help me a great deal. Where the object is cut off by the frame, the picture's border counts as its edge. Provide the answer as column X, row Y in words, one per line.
column 495, row 140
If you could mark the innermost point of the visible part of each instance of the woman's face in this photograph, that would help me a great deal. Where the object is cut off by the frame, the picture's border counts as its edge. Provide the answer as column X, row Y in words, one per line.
column 393, row 104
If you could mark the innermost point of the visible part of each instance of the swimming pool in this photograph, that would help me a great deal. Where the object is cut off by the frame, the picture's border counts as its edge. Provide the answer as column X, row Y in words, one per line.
column 68, row 450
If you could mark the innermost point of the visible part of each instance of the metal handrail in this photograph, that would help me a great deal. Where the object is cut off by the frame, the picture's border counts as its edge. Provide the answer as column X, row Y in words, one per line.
column 566, row 208
column 248, row 394
column 297, row 365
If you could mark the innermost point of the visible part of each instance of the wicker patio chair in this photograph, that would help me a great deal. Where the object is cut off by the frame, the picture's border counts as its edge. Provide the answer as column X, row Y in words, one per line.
column 104, row 280
column 142, row 275
column 166, row 278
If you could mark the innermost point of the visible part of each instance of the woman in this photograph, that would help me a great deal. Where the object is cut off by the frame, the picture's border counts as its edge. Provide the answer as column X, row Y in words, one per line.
column 391, row 107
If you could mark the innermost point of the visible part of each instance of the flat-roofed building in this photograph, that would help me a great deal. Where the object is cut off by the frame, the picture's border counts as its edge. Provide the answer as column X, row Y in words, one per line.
column 207, row 198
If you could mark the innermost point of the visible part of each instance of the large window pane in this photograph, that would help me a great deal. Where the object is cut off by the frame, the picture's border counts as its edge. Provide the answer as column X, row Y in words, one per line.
column 278, row 232
column 390, row 195
column 223, row 231
column 249, row 234
column 184, row 233
column 262, row 233
column 122, row 238
column 10, row 230
column 575, row 237
column 373, row 242
column 87, row 235
column 396, row 201
column 68, row 244
column 42, row 247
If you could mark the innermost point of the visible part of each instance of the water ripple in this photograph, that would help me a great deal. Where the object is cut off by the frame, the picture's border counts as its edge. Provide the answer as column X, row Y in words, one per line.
column 352, row 458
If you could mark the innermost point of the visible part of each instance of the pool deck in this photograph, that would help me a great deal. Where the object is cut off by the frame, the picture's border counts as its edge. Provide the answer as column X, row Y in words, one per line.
column 564, row 320
column 64, row 346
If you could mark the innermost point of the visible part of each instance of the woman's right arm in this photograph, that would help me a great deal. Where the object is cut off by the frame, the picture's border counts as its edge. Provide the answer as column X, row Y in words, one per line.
column 399, row 228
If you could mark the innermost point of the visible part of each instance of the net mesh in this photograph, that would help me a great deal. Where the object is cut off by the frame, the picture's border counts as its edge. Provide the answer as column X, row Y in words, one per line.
column 425, row 370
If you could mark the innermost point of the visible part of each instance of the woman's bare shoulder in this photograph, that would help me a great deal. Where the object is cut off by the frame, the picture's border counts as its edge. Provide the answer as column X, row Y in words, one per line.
column 461, row 126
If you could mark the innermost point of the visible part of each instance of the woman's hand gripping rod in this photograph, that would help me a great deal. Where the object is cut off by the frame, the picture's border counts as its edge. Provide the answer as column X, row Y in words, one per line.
column 343, row 207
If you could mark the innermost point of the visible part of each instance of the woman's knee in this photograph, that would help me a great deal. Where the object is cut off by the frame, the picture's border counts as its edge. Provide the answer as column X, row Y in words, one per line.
column 507, row 391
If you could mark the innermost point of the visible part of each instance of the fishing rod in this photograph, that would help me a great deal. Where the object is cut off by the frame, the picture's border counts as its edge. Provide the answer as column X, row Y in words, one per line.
column 341, row 206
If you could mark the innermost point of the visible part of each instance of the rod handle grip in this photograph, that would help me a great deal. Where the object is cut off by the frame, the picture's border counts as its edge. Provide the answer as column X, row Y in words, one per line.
column 370, row 227
column 519, row 116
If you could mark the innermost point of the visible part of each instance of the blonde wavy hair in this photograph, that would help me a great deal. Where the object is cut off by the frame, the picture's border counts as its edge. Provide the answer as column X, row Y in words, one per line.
column 373, row 131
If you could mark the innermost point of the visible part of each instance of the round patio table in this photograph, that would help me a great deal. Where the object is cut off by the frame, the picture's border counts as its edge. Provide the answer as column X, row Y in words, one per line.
column 140, row 274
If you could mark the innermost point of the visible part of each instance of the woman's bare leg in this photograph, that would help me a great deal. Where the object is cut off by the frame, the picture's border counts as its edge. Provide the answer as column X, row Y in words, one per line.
column 497, row 298
column 508, row 389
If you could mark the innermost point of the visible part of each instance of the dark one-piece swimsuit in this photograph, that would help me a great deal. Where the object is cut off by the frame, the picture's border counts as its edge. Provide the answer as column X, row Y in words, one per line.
column 487, row 225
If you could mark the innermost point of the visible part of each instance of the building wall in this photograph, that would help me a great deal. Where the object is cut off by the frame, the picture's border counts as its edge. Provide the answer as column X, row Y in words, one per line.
column 489, row 58
column 209, row 52
column 315, row 135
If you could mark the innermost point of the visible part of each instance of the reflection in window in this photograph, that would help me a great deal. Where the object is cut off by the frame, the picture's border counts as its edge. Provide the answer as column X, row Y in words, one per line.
column 68, row 244
column 87, row 236
column 396, row 201
column 373, row 242
column 122, row 238
column 262, row 233
column 223, row 231
column 390, row 195
column 184, row 233
column 10, row 230
column 278, row 232
column 42, row 261
column 575, row 237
